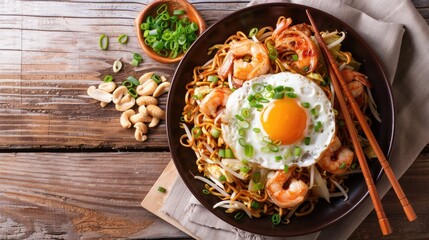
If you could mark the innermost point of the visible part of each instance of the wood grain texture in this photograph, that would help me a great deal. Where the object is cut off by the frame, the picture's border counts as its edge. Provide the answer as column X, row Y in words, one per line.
column 80, row 195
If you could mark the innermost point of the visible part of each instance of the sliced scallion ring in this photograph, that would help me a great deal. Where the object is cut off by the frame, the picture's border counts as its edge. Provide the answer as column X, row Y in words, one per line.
column 117, row 66
column 103, row 42
column 108, row 78
column 123, row 39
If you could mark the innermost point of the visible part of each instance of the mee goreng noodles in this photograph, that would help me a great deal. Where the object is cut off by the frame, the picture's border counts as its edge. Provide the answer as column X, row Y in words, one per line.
column 263, row 121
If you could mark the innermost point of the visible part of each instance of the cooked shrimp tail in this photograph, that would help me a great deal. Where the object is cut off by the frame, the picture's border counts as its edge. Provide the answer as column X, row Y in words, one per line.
column 290, row 197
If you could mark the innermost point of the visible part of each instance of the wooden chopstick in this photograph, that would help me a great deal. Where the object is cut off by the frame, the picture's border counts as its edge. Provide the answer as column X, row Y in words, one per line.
column 408, row 209
column 333, row 69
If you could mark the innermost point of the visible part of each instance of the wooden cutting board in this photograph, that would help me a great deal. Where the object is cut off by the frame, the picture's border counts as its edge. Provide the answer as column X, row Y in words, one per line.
column 154, row 200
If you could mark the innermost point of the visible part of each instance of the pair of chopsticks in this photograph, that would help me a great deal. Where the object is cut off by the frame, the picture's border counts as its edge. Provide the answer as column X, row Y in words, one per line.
column 340, row 87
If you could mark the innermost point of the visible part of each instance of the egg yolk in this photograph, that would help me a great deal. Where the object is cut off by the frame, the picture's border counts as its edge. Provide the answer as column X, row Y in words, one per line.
column 284, row 120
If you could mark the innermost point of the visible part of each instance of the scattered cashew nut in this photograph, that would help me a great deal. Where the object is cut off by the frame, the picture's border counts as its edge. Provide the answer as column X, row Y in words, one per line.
column 147, row 89
column 103, row 104
column 155, row 111
column 99, row 95
column 146, row 100
column 125, row 118
column 140, row 133
column 107, row 86
column 161, row 89
column 119, row 93
column 140, row 118
column 125, row 103
column 142, row 110
column 154, row 122
column 145, row 77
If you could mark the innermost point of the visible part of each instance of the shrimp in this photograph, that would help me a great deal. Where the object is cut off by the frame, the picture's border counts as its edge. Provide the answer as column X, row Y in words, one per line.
column 336, row 159
column 350, row 75
column 286, row 198
column 215, row 99
column 295, row 40
column 356, row 88
column 258, row 64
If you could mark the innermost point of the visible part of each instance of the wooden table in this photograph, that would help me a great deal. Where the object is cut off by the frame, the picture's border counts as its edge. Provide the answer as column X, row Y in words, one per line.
column 67, row 168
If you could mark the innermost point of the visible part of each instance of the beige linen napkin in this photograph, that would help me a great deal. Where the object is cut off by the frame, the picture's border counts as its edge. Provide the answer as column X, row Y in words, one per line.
column 380, row 24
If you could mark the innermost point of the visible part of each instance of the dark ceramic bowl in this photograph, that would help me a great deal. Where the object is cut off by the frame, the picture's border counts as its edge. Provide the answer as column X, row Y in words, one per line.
column 263, row 15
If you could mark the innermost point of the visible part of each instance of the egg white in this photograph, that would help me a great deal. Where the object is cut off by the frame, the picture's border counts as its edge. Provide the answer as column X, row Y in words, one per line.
column 307, row 91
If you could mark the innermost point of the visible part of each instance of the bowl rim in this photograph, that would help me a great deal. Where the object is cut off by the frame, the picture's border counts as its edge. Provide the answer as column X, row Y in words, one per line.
column 389, row 98
column 139, row 19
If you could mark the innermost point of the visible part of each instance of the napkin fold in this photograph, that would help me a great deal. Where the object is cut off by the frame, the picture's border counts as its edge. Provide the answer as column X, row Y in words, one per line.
column 381, row 23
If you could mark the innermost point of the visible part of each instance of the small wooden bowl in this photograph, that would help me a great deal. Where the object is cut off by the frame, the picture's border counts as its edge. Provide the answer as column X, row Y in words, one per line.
column 172, row 5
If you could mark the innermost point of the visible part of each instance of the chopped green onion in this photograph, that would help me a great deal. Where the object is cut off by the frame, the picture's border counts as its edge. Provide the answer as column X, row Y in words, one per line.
column 297, row 151
column 245, row 112
column 305, row 104
column 326, row 81
column 343, row 166
column 229, row 153
column 241, row 131
column 156, row 78
column 214, row 132
column 245, row 169
column 305, row 68
column 127, row 84
column 212, row 78
column 313, row 111
column 278, row 158
column 244, row 161
column 289, row 89
column 123, row 38
column 273, row 147
column 286, row 168
column 354, row 165
column 257, row 87
column 238, row 216
column 257, row 130
column 134, row 63
column 307, row 141
column 198, row 96
column 269, row 95
column 269, row 87
column 162, row 9
column 255, row 104
column 255, row 204
column 276, row 219
column 291, row 95
column 253, row 32
column 222, row 178
column 256, row 177
column 258, row 186
column 108, row 78
column 103, row 42
column 279, row 89
column 243, row 124
column 318, row 126
column 117, row 66
column 267, row 139
column 133, row 80
column 295, row 57
column 242, row 142
column 258, row 96
column 221, row 153
column 250, row 97
column 179, row 12
column 137, row 57
column 278, row 95
column 133, row 92
column 287, row 154
column 335, row 112
column 263, row 100
column 161, row 189
column 248, row 150
column 272, row 53
column 239, row 117
column 206, row 192
column 196, row 131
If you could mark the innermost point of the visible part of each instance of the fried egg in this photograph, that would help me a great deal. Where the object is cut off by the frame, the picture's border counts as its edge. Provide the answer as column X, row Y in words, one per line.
column 277, row 120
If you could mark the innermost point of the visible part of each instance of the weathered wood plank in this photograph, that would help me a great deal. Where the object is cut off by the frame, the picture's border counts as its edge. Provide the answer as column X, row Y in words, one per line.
column 80, row 195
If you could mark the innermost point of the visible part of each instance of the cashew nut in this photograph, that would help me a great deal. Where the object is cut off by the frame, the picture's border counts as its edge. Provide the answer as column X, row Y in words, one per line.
column 99, row 95
column 155, row 111
column 125, row 118
column 146, row 100
column 107, row 86
column 147, row 89
column 154, row 122
column 145, row 77
column 119, row 93
column 140, row 133
column 142, row 110
column 140, row 118
column 161, row 89
column 103, row 104
column 125, row 103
